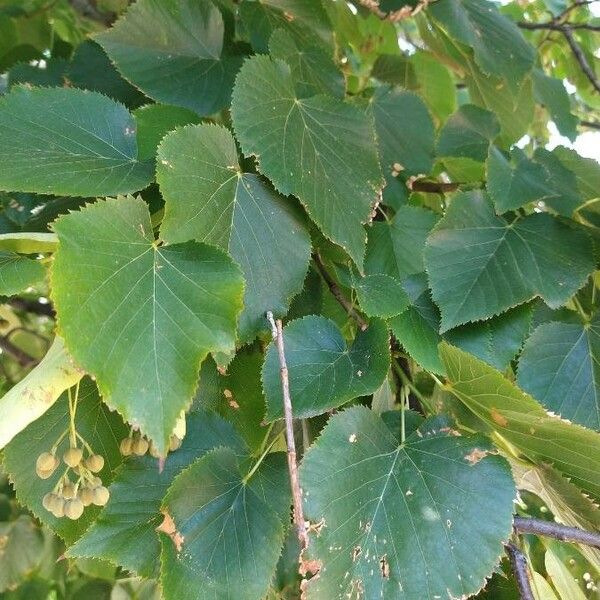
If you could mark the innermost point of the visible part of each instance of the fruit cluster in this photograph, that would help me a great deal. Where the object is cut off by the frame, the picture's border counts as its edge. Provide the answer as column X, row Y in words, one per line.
column 138, row 445
column 68, row 498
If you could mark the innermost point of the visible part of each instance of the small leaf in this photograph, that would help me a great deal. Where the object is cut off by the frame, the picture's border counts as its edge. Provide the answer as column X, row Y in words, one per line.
column 405, row 132
column 70, row 142
column 509, row 263
column 498, row 45
column 323, row 372
column 551, row 92
column 312, row 69
column 401, row 521
column 240, row 212
column 129, row 309
column 173, row 50
column 564, row 581
column 381, row 296
column 560, row 367
column 125, row 531
column 22, row 551
column 230, row 539
column 18, row 273
column 468, row 133
column 570, row 449
column 518, row 182
column 31, row 397
column 396, row 247
column 101, row 428
column 320, row 149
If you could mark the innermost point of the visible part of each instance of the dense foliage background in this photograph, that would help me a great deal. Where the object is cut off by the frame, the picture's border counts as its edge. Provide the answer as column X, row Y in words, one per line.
column 376, row 174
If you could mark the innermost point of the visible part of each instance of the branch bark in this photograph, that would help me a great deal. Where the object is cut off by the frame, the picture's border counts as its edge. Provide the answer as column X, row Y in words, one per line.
column 556, row 531
column 277, row 333
column 337, row 293
column 580, row 57
column 518, row 562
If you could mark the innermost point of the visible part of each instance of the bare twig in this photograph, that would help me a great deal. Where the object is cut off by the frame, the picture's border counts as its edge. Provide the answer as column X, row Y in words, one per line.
column 337, row 293
column 518, row 562
column 24, row 359
column 590, row 124
column 277, row 332
column 551, row 25
column 580, row 57
column 557, row 531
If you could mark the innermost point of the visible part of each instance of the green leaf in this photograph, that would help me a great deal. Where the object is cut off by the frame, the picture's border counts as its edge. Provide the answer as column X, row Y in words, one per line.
column 239, row 212
column 560, row 367
column 513, row 108
column 509, row 263
column 29, row 242
column 468, row 133
column 22, row 548
column 405, row 132
column 31, row 397
column 154, row 121
column 518, row 182
column 125, row 531
column 230, row 537
column 381, row 296
column 523, row 422
column 417, row 328
column 496, row 340
column 563, row 580
column 101, row 428
column 19, row 272
column 435, row 83
column 241, row 399
column 70, row 142
column 396, row 247
column 402, row 521
column 129, row 309
column 313, row 70
column 51, row 75
column 320, row 149
column 91, row 69
column 551, row 92
column 305, row 20
column 498, row 45
column 173, row 51
column 323, row 372
column 586, row 170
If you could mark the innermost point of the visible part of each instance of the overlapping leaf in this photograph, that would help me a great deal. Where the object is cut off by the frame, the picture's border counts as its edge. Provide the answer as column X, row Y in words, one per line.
column 320, row 149
column 19, row 272
column 210, row 200
column 125, row 531
column 229, row 537
column 173, row 50
column 509, row 263
column 323, row 372
column 401, row 521
column 560, row 367
column 570, row 449
column 130, row 309
column 70, row 142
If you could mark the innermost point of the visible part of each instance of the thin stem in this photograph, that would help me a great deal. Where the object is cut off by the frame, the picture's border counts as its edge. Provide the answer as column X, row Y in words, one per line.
column 266, row 439
column 403, row 404
column 87, row 446
column 257, row 464
column 337, row 293
column 59, row 440
column 407, row 382
column 580, row 57
column 556, row 531
column 580, row 310
column 277, row 333
column 518, row 562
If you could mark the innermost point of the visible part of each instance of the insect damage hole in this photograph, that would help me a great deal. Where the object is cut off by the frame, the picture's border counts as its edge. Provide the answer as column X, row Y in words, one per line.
column 384, row 567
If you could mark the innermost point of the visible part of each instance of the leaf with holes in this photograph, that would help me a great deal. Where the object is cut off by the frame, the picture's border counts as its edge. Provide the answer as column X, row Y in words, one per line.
column 225, row 539
column 323, row 372
column 401, row 521
column 542, row 438
column 129, row 309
